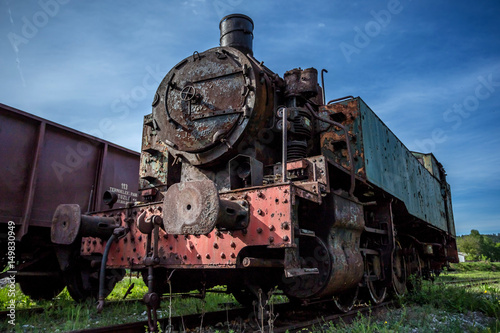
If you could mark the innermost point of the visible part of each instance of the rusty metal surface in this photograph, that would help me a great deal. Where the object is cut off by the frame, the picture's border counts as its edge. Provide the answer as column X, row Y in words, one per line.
column 65, row 224
column 333, row 140
column 191, row 208
column 347, row 223
column 302, row 81
column 236, row 30
column 392, row 167
column 382, row 160
column 429, row 162
column 45, row 164
column 204, row 104
column 270, row 224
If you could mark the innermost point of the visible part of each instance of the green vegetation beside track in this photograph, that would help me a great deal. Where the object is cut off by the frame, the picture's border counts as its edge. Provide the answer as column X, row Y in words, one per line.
column 437, row 307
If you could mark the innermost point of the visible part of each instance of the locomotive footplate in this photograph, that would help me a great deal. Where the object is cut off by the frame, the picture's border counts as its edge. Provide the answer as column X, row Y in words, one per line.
column 271, row 223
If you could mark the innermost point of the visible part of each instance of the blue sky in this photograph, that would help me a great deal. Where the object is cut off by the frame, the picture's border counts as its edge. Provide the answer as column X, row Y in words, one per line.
column 430, row 70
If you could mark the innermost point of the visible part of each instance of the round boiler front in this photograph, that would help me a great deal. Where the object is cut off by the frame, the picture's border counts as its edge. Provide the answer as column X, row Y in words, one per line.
column 205, row 103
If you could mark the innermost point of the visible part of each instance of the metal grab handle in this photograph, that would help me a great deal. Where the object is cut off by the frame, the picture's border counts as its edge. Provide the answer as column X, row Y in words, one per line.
column 285, row 140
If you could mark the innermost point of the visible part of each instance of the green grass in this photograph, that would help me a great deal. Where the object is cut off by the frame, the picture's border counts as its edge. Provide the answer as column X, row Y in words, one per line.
column 440, row 308
column 63, row 314
column 483, row 266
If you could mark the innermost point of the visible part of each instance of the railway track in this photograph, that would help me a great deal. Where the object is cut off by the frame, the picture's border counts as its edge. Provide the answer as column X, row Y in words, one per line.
column 290, row 317
column 469, row 282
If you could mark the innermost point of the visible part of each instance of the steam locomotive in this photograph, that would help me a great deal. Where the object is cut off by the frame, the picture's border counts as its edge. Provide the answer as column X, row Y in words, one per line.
column 253, row 181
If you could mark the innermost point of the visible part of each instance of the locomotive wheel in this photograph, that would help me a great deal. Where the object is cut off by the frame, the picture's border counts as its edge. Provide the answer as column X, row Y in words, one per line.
column 398, row 271
column 414, row 270
column 314, row 254
column 83, row 281
column 345, row 301
column 43, row 287
column 377, row 291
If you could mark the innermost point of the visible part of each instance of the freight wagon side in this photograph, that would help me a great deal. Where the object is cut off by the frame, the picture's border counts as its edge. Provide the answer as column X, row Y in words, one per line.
column 45, row 164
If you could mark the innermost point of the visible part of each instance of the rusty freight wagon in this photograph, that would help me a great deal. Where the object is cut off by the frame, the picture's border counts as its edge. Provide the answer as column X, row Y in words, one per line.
column 43, row 164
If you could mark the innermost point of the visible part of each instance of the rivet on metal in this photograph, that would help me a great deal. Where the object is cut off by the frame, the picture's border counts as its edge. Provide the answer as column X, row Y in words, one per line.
column 271, row 239
column 216, row 246
column 259, row 230
column 285, row 238
column 207, row 256
column 271, row 227
column 198, row 256
column 222, row 255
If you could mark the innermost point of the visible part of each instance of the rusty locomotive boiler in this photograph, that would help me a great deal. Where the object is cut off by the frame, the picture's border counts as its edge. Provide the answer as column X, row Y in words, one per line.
column 252, row 181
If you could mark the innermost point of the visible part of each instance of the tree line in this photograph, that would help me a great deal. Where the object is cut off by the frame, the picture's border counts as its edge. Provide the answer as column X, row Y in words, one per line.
column 479, row 247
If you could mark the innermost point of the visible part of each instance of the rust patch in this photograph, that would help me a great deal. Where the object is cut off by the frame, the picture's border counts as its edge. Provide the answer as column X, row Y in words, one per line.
column 270, row 217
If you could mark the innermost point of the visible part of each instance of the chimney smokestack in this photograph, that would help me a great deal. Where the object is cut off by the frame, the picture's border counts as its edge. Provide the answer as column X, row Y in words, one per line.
column 236, row 30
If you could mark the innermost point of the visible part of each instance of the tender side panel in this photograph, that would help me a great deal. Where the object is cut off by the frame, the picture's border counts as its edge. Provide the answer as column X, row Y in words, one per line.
column 392, row 167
